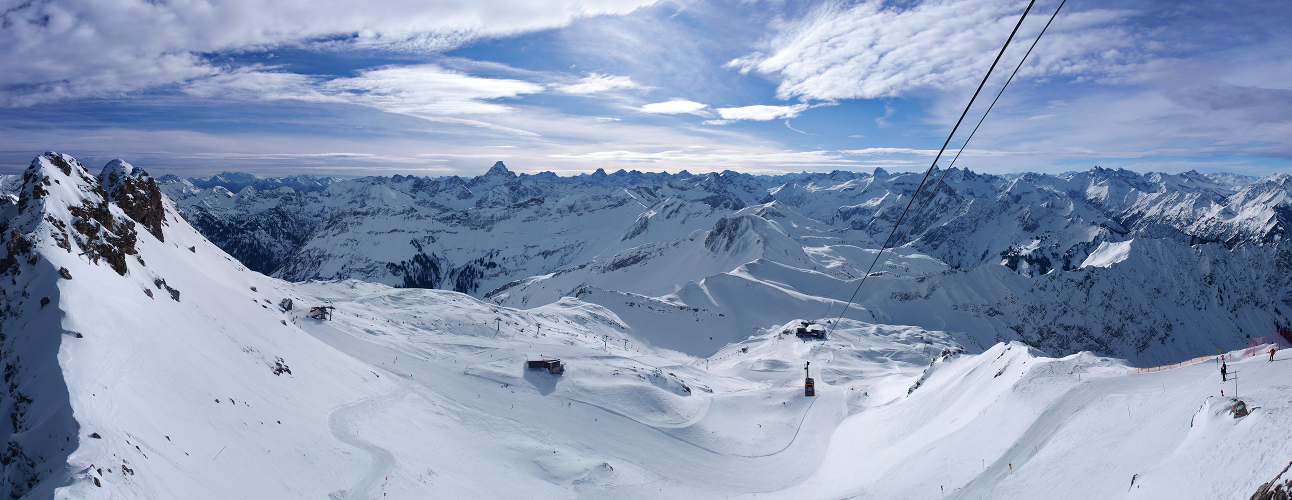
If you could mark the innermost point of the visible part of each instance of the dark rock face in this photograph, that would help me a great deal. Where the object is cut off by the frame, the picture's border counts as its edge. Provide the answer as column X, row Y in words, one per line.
column 260, row 240
column 142, row 201
column 727, row 232
column 101, row 236
column 136, row 193
column 17, row 246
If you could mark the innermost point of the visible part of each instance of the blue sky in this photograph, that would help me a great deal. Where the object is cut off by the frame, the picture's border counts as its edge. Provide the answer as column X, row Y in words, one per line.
column 446, row 88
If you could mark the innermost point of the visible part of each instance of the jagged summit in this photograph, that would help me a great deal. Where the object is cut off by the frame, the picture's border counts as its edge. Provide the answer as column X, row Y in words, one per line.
column 500, row 170
column 497, row 176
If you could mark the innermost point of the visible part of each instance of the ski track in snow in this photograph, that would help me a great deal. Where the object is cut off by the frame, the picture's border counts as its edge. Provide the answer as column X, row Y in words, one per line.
column 381, row 461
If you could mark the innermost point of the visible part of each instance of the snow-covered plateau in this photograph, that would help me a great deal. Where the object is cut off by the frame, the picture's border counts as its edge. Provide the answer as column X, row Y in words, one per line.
column 158, row 341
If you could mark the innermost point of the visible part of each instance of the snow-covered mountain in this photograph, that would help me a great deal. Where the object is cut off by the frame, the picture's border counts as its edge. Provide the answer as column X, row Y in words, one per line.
column 1148, row 267
column 235, row 181
column 142, row 361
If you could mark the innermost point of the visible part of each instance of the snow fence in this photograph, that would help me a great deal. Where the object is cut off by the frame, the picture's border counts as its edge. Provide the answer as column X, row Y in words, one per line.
column 1187, row 362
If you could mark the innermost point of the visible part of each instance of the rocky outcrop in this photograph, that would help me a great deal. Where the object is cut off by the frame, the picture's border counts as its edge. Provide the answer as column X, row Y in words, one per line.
column 136, row 193
column 1274, row 490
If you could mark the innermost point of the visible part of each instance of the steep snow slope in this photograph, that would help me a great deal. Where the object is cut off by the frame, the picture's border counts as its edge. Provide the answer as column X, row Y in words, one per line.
column 139, row 368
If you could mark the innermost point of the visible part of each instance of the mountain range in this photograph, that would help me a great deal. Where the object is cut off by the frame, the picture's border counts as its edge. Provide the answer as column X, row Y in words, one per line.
column 1147, row 267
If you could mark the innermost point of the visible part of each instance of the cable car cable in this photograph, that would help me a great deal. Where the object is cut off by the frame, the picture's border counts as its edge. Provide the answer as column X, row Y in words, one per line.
column 938, row 157
column 934, row 191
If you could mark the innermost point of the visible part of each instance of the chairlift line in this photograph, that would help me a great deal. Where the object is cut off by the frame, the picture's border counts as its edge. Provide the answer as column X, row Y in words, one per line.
column 938, row 157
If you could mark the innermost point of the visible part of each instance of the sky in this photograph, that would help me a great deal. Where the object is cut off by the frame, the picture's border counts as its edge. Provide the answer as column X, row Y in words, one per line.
column 438, row 87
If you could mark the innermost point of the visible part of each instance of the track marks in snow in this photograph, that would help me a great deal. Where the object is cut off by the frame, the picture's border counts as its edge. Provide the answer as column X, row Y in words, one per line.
column 341, row 422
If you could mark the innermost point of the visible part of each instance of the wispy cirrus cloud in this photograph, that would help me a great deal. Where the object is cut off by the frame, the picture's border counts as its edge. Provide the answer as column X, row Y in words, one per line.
column 875, row 49
column 425, row 90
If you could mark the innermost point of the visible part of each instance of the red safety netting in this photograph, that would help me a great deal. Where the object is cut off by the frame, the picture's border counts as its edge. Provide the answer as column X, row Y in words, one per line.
column 1281, row 339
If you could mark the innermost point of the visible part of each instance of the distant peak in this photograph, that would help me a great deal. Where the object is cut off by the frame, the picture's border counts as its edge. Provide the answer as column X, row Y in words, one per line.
column 499, row 169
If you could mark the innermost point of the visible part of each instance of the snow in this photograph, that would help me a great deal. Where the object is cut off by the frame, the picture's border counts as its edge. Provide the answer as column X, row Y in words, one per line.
column 1108, row 254
column 417, row 393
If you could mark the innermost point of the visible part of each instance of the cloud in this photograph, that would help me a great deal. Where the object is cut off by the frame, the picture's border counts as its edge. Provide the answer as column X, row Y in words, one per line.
column 597, row 83
column 887, row 151
column 876, row 49
column 257, row 82
column 676, row 106
column 760, row 112
column 791, row 127
column 705, row 160
column 888, row 113
column 427, row 90
column 929, row 152
column 76, row 48
column 1258, row 105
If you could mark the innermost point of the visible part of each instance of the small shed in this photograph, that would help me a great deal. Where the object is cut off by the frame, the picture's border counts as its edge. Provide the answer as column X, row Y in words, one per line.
column 553, row 366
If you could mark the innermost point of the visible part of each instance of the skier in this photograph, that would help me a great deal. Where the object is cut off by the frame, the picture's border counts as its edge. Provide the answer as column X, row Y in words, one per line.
column 1224, row 368
column 1271, row 354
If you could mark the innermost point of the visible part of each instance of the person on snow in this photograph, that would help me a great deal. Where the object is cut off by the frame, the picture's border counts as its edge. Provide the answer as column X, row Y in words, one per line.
column 1272, row 354
column 1224, row 368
